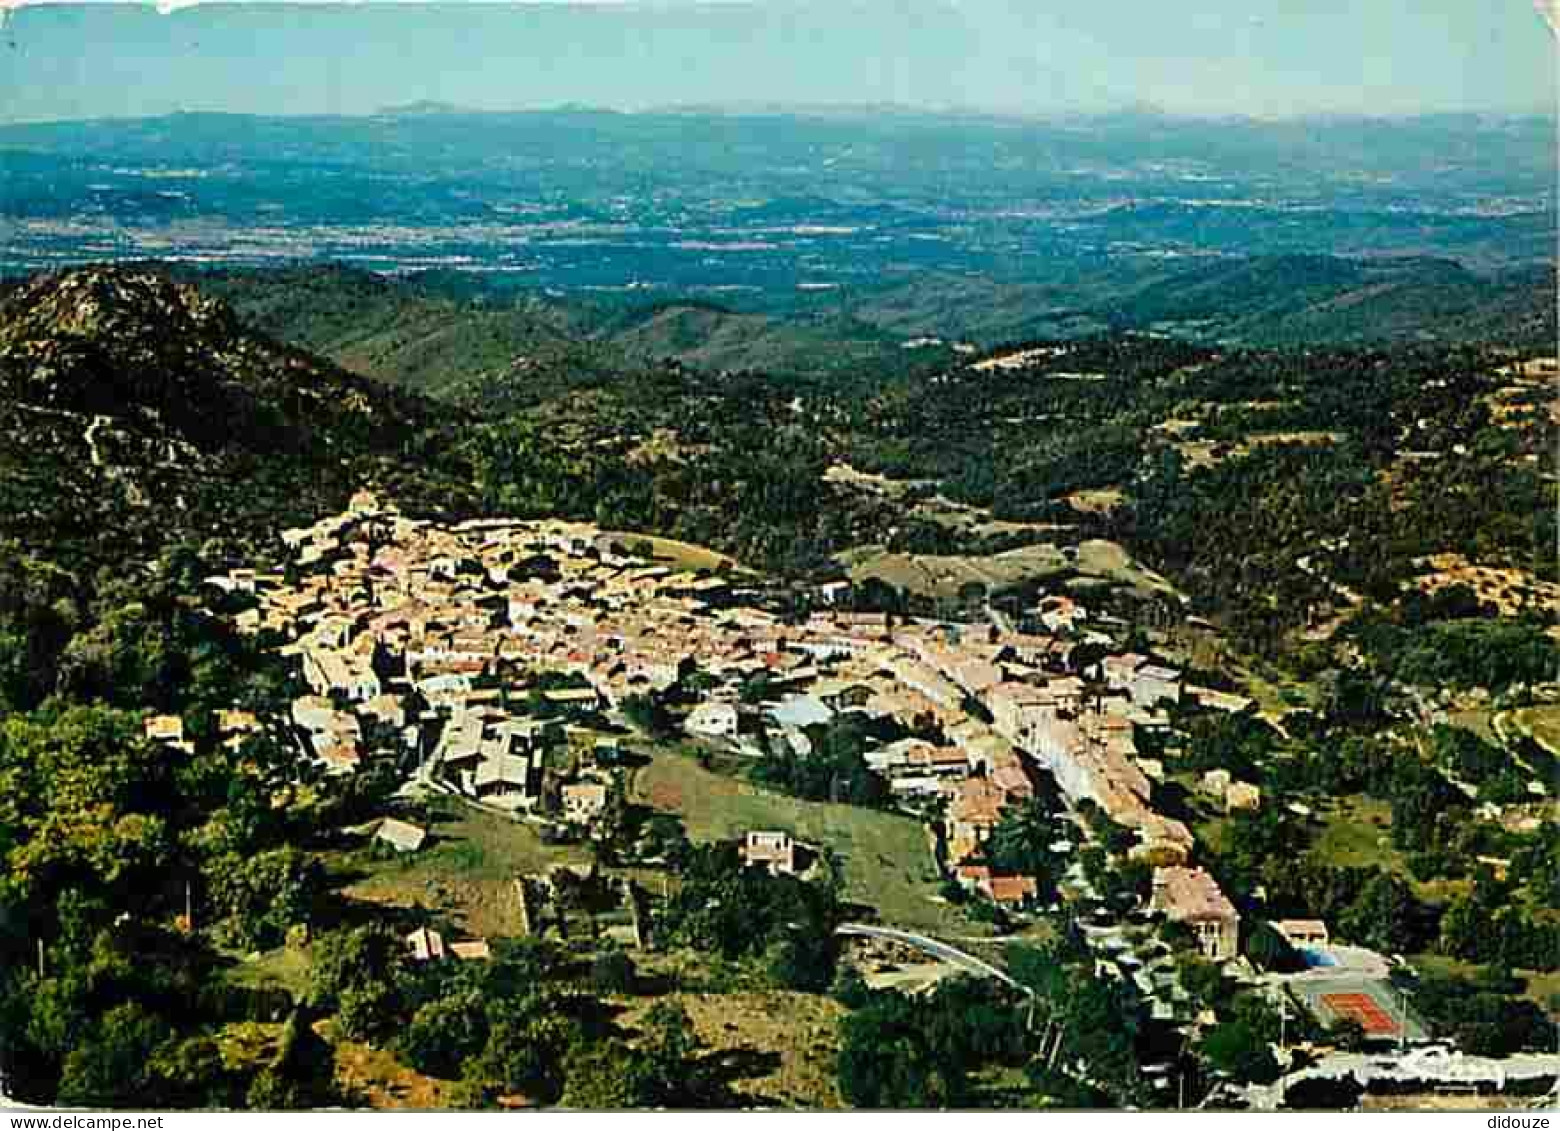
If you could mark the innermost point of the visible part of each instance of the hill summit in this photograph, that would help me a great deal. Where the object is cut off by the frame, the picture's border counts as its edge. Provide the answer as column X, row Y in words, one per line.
column 136, row 409
column 132, row 345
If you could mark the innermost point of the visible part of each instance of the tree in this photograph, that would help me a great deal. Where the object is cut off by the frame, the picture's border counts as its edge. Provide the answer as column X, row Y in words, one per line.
column 15, row 676
column 613, row 973
column 662, row 836
column 1203, row 980
column 356, row 971
column 1271, row 950
column 1384, row 916
column 261, row 896
column 271, row 1090
column 1463, row 926
column 112, row 1067
column 804, row 963
column 646, row 713
column 518, row 966
column 1258, row 1010
column 301, row 1075
column 193, row 1075
column 1236, row 1048
column 834, row 770
column 1021, row 844
column 895, row 1052
column 885, row 1062
column 526, row 1054
column 675, row 1076
column 445, row 1033
column 1422, row 798
column 974, row 1022
column 1347, row 1034
column 725, row 906
column 850, row 989
column 606, row 1076
column 87, row 793
column 1539, row 861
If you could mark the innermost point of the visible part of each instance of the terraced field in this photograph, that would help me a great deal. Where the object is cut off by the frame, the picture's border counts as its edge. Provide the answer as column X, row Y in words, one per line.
column 466, row 872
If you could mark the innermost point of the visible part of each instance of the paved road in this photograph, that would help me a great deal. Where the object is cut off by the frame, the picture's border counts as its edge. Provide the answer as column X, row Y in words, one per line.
column 935, row 947
column 1416, row 1066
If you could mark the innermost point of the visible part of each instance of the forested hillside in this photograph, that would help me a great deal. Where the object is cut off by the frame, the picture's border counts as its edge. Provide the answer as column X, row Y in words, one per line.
column 1368, row 527
column 140, row 413
column 447, row 335
column 431, row 337
column 1266, row 481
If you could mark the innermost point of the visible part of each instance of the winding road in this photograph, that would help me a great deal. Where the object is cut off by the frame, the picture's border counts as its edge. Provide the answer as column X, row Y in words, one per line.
column 936, row 948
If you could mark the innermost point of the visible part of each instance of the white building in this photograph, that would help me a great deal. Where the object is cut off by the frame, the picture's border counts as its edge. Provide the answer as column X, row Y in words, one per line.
column 713, row 720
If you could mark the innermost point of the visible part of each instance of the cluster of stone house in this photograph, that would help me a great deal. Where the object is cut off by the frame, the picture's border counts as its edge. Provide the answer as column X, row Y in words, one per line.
column 1233, row 795
column 495, row 757
column 419, row 631
column 397, row 626
column 1146, row 683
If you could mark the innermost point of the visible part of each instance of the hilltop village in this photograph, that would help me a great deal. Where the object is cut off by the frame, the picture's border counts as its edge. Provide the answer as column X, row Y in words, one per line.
column 395, row 765
column 639, row 666
column 414, row 635
column 528, row 670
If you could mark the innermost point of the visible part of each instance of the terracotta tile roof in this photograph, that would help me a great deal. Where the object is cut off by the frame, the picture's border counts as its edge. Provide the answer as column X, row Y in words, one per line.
column 1011, row 889
column 977, row 802
column 1190, row 894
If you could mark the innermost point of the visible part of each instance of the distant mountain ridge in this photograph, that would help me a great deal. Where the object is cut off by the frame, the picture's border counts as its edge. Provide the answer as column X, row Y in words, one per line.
column 138, row 410
column 450, row 337
column 422, row 106
column 1295, row 300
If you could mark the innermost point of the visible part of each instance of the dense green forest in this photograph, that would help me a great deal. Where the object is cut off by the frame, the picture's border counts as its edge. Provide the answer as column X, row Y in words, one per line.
column 150, row 438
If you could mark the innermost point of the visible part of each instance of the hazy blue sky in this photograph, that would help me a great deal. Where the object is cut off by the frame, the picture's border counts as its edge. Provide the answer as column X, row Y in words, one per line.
column 1209, row 57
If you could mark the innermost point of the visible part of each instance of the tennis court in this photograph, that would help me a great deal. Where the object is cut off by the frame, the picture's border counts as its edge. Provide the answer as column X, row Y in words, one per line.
column 1362, row 1008
column 1378, row 1008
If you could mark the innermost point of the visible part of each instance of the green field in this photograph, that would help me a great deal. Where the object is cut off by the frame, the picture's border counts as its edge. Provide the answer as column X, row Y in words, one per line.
column 669, row 551
column 466, row 870
column 887, row 858
column 1098, row 558
column 1358, row 833
column 943, row 576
